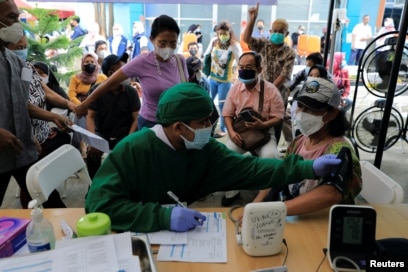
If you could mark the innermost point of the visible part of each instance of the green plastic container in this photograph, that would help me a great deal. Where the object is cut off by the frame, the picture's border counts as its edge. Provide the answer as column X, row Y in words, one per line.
column 93, row 224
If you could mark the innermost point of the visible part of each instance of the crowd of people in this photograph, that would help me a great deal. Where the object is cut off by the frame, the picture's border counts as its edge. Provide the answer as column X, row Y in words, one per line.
column 162, row 133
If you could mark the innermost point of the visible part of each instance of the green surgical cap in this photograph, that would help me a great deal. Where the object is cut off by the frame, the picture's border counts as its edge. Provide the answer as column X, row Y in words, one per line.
column 183, row 102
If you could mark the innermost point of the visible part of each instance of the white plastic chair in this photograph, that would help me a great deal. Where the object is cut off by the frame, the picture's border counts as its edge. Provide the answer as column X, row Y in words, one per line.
column 378, row 188
column 47, row 174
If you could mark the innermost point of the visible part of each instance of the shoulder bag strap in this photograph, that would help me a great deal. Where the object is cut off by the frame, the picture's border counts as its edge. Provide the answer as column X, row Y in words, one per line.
column 180, row 68
column 261, row 97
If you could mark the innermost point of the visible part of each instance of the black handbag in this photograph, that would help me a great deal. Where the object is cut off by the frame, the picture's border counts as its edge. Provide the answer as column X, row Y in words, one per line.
column 252, row 138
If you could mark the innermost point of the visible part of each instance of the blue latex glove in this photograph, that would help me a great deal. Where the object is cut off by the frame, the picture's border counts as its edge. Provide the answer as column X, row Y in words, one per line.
column 325, row 165
column 183, row 219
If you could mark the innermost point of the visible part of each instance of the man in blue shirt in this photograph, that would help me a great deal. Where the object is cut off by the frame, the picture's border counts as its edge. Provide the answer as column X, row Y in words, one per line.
column 259, row 32
column 78, row 31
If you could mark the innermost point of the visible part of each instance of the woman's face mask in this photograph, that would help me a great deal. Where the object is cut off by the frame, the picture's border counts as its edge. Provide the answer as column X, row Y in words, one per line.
column 89, row 68
column 45, row 79
column 164, row 53
column 224, row 38
column 201, row 137
column 308, row 123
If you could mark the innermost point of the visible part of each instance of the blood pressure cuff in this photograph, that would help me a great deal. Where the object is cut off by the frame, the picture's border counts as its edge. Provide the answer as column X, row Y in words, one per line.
column 392, row 247
column 341, row 178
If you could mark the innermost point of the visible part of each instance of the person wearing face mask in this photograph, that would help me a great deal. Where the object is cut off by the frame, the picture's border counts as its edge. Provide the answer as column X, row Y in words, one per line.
column 193, row 49
column 278, row 60
column 295, row 37
column 260, row 30
column 77, row 29
column 101, row 50
column 323, row 127
column 139, row 39
column 18, row 148
column 314, row 71
column 114, row 115
column 225, row 51
column 49, row 79
column 196, row 30
column 117, row 42
column 88, row 42
column 246, row 94
column 384, row 59
column 277, row 57
column 78, row 90
column 80, row 83
column 311, row 60
column 179, row 155
column 156, row 71
column 47, row 138
column 342, row 80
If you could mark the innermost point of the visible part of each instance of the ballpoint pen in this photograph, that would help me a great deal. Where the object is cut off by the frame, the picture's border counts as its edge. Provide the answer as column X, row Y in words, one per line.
column 176, row 199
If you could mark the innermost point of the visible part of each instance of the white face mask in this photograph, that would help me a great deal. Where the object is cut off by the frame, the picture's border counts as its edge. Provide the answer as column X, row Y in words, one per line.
column 103, row 54
column 45, row 79
column 309, row 124
column 201, row 137
column 11, row 33
column 164, row 53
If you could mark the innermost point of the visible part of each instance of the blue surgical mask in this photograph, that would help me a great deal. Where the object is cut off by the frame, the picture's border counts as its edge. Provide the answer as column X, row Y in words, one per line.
column 277, row 38
column 247, row 76
column 21, row 53
column 201, row 137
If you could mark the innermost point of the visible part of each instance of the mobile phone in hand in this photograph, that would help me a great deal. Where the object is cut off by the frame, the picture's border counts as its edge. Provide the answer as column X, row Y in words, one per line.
column 247, row 116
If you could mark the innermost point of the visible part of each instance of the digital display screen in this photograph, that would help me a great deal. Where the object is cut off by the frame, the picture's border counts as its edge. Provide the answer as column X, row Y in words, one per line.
column 352, row 230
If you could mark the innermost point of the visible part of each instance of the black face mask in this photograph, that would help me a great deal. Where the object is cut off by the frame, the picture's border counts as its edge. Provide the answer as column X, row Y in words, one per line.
column 260, row 28
column 247, row 74
column 193, row 52
column 72, row 25
column 89, row 68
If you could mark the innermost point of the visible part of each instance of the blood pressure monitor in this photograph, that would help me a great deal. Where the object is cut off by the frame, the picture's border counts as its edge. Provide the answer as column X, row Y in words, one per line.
column 351, row 235
column 262, row 228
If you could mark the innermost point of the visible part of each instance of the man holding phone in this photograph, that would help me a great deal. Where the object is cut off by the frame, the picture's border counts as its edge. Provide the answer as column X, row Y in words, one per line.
column 246, row 94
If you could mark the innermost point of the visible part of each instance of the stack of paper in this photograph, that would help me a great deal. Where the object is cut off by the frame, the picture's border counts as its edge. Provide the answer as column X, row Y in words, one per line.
column 96, row 253
column 207, row 243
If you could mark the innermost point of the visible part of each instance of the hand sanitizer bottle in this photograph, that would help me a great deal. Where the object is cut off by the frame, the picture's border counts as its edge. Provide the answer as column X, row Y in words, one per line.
column 40, row 233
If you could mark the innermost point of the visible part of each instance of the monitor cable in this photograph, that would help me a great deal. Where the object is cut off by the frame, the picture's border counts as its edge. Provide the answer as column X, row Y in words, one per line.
column 324, row 257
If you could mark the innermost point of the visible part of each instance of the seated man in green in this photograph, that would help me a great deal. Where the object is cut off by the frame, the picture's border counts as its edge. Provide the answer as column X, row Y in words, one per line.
column 179, row 155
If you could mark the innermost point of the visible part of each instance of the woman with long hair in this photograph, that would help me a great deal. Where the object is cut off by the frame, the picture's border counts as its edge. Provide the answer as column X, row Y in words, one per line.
column 225, row 50
column 48, row 77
